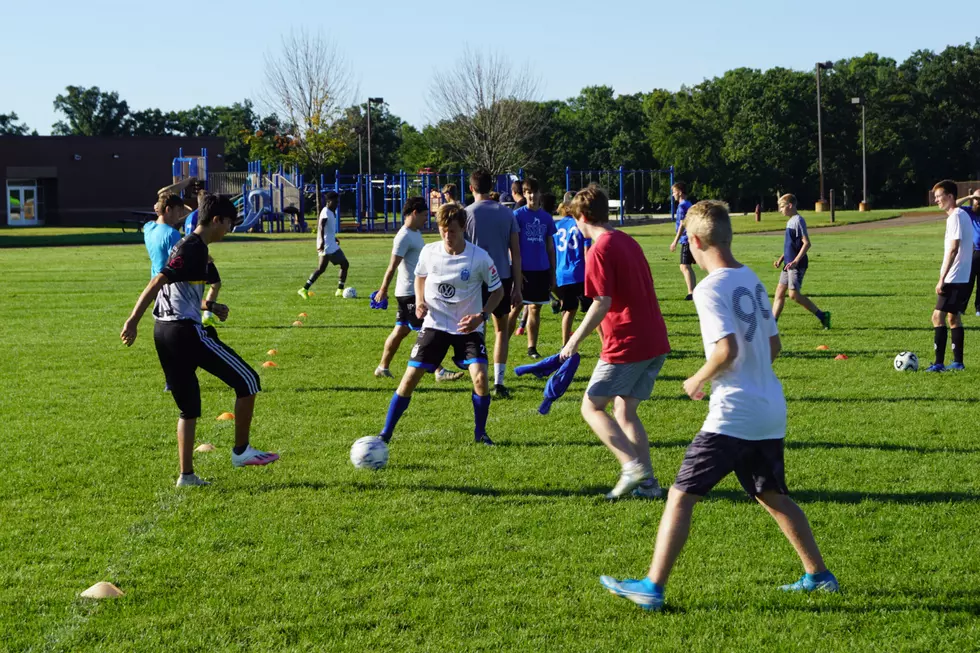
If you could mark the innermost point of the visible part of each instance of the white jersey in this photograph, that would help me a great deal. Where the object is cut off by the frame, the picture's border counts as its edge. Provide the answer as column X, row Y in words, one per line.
column 959, row 227
column 408, row 244
column 747, row 400
column 327, row 228
column 454, row 284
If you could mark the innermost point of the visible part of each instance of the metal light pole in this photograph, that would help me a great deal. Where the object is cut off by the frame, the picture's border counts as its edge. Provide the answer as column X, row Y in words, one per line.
column 821, row 203
column 864, row 154
column 369, row 187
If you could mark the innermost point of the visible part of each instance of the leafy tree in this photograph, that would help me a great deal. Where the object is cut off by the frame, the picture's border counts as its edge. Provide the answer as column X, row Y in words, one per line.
column 91, row 112
column 9, row 126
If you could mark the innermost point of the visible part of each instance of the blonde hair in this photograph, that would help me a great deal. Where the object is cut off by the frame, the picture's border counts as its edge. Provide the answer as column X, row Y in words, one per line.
column 449, row 213
column 565, row 208
column 591, row 204
column 787, row 200
column 710, row 222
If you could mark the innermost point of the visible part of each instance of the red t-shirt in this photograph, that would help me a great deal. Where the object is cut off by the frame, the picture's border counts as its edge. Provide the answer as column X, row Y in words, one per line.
column 633, row 329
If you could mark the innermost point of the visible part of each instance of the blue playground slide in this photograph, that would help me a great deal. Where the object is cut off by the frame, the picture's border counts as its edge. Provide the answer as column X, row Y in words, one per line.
column 259, row 203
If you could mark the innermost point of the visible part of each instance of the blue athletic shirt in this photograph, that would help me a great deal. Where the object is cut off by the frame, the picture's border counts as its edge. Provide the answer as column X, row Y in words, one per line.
column 975, row 219
column 535, row 227
column 159, row 240
column 190, row 224
column 569, row 252
column 679, row 216
column 793, row 243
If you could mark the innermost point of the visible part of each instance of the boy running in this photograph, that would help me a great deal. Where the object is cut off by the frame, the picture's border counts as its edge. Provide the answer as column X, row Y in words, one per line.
column 794, row 263
column 327, row 247
column 537, row 228
column 679, row 190
column 634, row 347
column 746, row 424
column 449, row 282
column 183, row 344
column 570, row 251
column 953, row 289
column 405, row 252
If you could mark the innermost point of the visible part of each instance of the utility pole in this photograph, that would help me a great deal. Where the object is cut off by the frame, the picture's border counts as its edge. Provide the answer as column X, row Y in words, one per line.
column 822, row 202
column 864, row 154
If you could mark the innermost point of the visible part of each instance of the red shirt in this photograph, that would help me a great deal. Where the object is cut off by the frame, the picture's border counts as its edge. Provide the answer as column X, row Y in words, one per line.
column 633, row 329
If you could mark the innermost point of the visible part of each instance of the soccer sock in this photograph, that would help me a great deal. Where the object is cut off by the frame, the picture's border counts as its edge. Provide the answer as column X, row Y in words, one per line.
column 822, row 577
column 397, row 406
column 240, row 450
column 940, row 344
column 498, row 373
column 652, row 587
column 957, row 334
column 819, row 315
column 340, row 285
column 309, row 282
column 481, row 409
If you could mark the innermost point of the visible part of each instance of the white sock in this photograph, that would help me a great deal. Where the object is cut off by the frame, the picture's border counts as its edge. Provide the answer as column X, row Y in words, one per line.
column 498, row 373
column 631, row 465
column 207, row 315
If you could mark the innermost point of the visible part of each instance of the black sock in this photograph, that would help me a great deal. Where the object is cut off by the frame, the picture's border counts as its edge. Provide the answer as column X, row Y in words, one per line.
column 240, row 450
column 940, row 344
column 957, row 334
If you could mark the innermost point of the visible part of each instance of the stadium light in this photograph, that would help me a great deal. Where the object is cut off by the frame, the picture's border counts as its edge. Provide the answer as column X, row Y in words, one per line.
column 826, row 65
column 370, row 196
column 864, row 154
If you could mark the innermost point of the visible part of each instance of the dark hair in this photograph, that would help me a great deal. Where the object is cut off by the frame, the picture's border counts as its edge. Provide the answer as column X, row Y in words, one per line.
column 167, row 200
column 451, row 191
column 330, row 195
column 681, row 186
column 211, row 207
column 531, row 185
column 494, row 195
column 549, row 203
column 948, row 186
column 413, row 204
column 481, row 181
column 516, row 186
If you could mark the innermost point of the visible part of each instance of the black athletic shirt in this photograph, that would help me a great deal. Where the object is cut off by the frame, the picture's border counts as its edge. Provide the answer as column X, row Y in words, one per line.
column 187, row 271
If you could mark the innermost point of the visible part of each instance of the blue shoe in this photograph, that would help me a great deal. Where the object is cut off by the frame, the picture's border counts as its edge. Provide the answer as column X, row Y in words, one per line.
column 955, row 367
column 640, row 592
column 825, row 582
column 936, row 367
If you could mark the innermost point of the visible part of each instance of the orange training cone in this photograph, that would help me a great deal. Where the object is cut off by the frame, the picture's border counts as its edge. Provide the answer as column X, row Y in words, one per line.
column 269, row 364
column 224, row 417
column 303, row 315
column 272, row 352
column 297, row 323
column 822, row 347
column 840, row 357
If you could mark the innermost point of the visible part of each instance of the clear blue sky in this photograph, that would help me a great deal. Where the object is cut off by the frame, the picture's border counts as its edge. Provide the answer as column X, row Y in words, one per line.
column 631, row 45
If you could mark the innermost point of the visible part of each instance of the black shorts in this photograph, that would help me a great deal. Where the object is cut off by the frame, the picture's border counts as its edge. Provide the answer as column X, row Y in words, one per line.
column 503, row 308
column 572, row 297
column 954, row 298
column 338, row 258
column 758, row 464
column 432, row 346
column 185, row 346
column 536, row 288
column 686, row 257
column 406, row 313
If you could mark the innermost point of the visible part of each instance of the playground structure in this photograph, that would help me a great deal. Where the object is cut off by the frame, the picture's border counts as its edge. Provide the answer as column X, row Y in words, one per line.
column 632, row 193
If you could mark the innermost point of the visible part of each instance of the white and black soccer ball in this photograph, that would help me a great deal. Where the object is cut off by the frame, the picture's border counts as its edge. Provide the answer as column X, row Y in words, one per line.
column 350, row 293
column 907, row 361
column 369, row 452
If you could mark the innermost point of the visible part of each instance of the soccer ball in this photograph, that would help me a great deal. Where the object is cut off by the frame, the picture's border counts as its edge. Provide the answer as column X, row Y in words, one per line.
column 907, row 361
column 369, row 452
column 350, row 293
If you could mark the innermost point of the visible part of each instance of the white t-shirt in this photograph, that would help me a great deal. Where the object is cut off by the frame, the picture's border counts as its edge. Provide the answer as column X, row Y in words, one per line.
column 454, row 284
column 408, row 244
column 327, row 227
column 959, row 227
column 747, row 400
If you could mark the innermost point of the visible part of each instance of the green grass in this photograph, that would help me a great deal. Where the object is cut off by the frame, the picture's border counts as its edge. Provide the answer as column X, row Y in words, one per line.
column 454, row 547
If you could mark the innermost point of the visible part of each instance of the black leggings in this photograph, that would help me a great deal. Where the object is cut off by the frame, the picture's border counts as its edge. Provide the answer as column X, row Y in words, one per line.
column 337, row 258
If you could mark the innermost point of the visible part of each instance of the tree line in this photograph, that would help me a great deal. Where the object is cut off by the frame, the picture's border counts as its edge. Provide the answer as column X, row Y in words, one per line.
column 744, row 136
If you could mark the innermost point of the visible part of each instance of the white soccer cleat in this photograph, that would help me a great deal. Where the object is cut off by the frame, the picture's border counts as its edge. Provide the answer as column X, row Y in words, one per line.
column 253, row 457
column 191, row 480
column 630, row 479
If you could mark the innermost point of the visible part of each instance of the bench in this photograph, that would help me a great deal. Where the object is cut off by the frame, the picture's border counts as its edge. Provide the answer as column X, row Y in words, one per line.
column 142, row 217
column 614, row 206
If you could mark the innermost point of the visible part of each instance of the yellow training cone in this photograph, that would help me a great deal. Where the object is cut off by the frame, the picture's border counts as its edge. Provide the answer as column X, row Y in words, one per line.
column 224, row 417
column 205, row 448
column 297, row 323
column 103, row 590
column 303, row 315
column 272, row 352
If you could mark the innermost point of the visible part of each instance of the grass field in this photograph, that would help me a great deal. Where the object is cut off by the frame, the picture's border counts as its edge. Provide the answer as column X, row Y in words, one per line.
column 454, row 547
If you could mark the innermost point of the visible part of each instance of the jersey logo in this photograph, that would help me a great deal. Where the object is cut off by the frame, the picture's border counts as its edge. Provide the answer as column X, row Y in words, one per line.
column 447, row 290
column 176, row 263
column 465, row 274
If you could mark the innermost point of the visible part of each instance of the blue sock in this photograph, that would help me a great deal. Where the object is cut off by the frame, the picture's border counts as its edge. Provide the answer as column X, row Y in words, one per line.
column 481, row 409
column 820, row 315
column 822, row 577
column 397, row 406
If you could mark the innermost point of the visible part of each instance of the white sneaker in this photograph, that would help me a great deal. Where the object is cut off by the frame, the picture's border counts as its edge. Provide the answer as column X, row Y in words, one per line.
column 191, row 480
column 649, row 491
column 631, row 478
column 978, row 313
column 382, row 373
column 252, row 456
column 446, row 375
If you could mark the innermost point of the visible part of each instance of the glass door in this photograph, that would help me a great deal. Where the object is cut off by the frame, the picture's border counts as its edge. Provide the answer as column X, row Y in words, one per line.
column 22, row 205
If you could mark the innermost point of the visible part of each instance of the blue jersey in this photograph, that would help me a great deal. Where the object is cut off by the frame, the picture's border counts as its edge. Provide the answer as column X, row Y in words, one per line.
column 793, row 242
column 190, row 224
column 975, row 219
column 159, row 240
column 679, row 216
column 569, row 253
column 537, row 227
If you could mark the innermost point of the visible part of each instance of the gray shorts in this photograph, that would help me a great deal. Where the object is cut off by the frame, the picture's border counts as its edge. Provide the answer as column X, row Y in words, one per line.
column 793, row 279
column 625, row 379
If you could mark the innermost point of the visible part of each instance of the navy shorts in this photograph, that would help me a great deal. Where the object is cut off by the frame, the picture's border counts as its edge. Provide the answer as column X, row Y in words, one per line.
column 432, row 346
column 406, row 315
column 758, row 464
column 572, row 297
column 686, row 257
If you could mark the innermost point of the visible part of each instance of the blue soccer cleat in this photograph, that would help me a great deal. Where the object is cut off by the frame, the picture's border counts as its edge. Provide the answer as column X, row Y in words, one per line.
column 641, row 592
column 955, row 367
column 822, row 582
column 936, row 367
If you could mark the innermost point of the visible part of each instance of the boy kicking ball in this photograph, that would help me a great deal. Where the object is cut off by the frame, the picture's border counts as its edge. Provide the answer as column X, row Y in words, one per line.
column 746, row 424
column 794, row 263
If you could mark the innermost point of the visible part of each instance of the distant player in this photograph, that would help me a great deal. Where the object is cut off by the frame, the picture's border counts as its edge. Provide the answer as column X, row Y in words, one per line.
column 517, row 193
column 492, row 226
column 405, row 252
column 570, row 247
column 972, row 207
column 327, row 247
column 184, row 345
column 449, row 282
column 162, row 235
column 634, row 347
column 746, row 424
column 953, row 290
column 794, row 263
column 679, row 191
column 450, row 193
column 537, row 227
